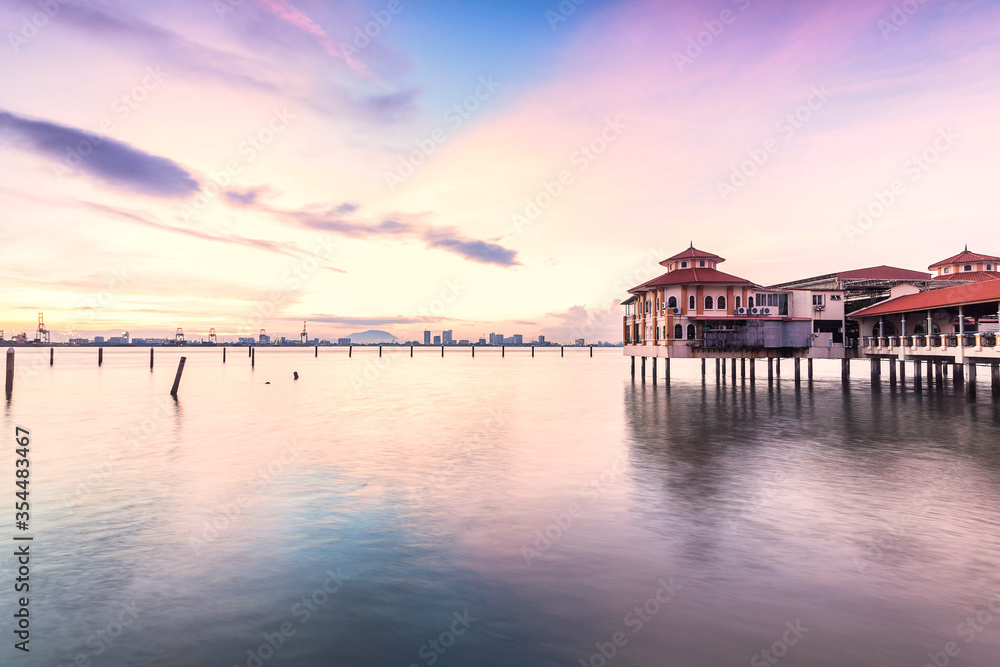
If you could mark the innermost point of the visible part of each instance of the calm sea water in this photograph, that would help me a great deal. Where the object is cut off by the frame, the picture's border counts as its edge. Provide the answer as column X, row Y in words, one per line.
column 490, row 511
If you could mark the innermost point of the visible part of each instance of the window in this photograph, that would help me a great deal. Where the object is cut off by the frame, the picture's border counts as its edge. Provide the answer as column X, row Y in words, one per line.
column 989, row 267
column 750, row 302
column 708, row 303
column 671, row 266
column 678, row 331
column 947, row 269
column 657, row 303
column 672, row 302
column 684, row 265
column 691, row 302
column 739, row 301
column 817, row 299
column 834, row 297
column 691, row 332
column 720, row 303
column 701, row 263
column 967, row 267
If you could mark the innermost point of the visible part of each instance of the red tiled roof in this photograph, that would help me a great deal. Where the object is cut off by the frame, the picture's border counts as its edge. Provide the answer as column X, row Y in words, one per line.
column 883, row 273
column 693, row 253
column 959, row 295
column 964, row 257
column 973, row 276
column 692, row 276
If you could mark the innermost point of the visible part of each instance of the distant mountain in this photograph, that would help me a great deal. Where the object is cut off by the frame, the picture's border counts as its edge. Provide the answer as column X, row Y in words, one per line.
column 372, row 336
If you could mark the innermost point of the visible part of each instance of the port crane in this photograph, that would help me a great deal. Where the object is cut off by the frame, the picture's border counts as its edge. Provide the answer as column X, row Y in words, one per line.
column 42, row 334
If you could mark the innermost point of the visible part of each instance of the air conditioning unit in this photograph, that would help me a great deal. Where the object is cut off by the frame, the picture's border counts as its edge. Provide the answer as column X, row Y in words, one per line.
column 755, row 311
column 818, row 306
column 741, row 311
column 765, row 311
column 675, row 311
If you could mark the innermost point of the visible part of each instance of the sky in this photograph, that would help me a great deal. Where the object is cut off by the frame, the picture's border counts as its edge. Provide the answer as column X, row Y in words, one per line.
column 511, row 167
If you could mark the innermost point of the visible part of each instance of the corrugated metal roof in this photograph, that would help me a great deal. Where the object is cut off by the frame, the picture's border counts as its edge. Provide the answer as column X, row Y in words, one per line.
column 883, row 272
column 960, row 295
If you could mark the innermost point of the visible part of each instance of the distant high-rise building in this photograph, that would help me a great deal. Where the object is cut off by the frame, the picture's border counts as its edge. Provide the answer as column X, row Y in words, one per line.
column 463, row 342
column 98, row 339
column 517, row 339
column 482, row 341
column 581, row 343
column 427, row 338
column 437, row 340
column 446, row 338
column 343, row 341
column 541, row 340
column 499, row 340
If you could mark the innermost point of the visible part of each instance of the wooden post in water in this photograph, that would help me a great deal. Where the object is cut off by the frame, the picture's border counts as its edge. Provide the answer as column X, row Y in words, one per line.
column 777, row 367
column 734, row 370
column 10, row 372
column 562, row 353
column 151, row 357
column 295, row 375
column 995, row 378
column 798, row 370
column 666, row 370
column 902, row 374
column 633, row 364
column 892, row 372
column 503, row 351
column 350, row 351
column 177, row 378
column 100, row 356
column 380, row 351
column 411, row 350
column 918, row 382
column 939, row 374
column 316, row 351
column 717, row 371
column 930, row 375
column 958, row 376
column 52, row 355
column 253, row 357
column 442, row 351
column 970, row 385
column 874, row 364
column 654, row 370
column 809, row 369
column 753, row 371
column 770, row 370
column 223, row 354
column 845, row 369
column 250, row 350
column 533, row 356
column 743, row 368
column 644, row 369
column 591, row 351
column 474, row 351
column 703, row 369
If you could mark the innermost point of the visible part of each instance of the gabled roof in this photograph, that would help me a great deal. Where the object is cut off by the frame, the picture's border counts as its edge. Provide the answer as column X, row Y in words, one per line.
column 959, row 295
column 965, row 257
column 693, row 253
column 883, row 272
column 971, row 276
column 692, row 277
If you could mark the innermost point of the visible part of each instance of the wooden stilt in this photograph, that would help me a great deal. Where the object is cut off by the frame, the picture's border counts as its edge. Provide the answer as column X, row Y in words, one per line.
column 995, row 378
column 100, row 356
column 770, row 370
column 918, row 381
column 809, row 369
column 177, row 378
column 798, row 370
column 753, row 371
column 743, row 368
column 703, row 369
column 892, row 372
column 654, row 370
column 633, row 364
column 10, row 372
column 666, row 370
column 644, row 369
column 151, row 357
column 52, row 355
column 970, row 383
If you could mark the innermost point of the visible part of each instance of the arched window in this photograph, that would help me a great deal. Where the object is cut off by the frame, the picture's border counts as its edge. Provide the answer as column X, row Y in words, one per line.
column 708, row 303
column 691, row 302
column 947, row 269
column 967, row 267
column 989, row 267
column 678, row 331
column 750, row 302
column 691, row 332
column 657, row 304
column 738, row 301
column 720, row 303
column 672, row 302
column 684, row 265
column 701, row 263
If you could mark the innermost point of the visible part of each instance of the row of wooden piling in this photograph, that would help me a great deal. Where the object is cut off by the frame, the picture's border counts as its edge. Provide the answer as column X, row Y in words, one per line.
column 773, row 368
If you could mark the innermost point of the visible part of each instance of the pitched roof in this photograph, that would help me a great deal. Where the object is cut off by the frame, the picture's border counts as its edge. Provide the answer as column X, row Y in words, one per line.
column 959, row 295
column 693, row 253
column 964, row 257
column 972, row 276
column 883, row 272
column 692, row 276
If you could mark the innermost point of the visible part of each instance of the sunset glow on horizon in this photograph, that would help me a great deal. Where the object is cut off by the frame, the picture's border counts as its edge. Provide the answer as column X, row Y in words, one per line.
column 514, row 167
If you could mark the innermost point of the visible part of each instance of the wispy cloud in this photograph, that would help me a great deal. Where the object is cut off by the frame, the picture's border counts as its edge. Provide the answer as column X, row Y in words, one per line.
column 107, row 160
